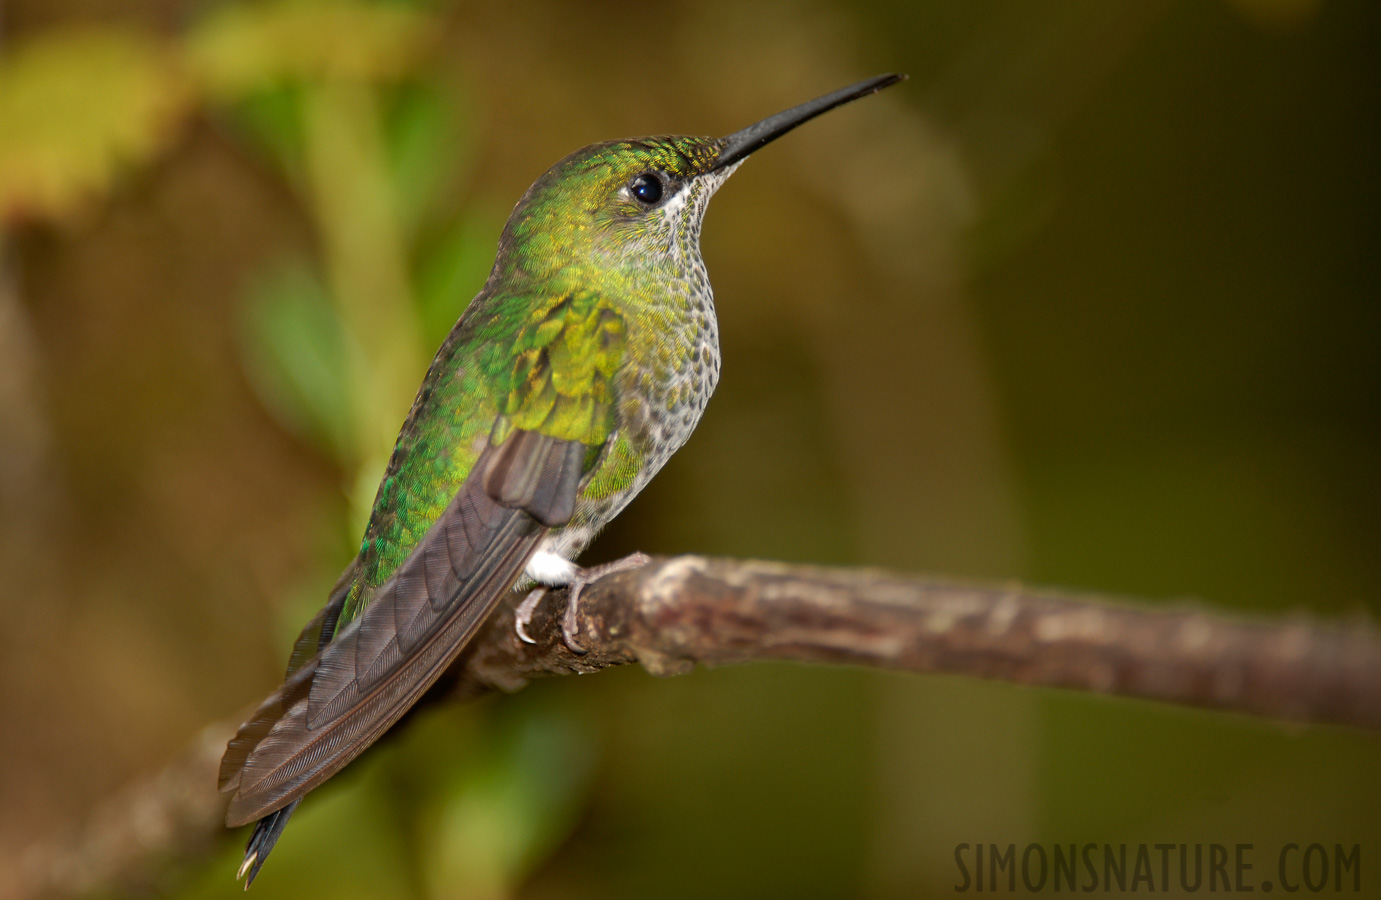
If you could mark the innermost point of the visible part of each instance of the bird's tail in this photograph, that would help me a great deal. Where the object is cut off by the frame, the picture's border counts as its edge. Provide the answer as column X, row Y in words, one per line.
column 266, row 833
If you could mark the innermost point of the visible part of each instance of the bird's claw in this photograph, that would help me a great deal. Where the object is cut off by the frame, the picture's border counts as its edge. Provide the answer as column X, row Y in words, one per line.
column 523, row 616
column 570, row 626
column 570, row 623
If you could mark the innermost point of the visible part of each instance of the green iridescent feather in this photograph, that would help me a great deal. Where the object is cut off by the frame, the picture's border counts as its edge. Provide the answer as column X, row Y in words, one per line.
column 557, row 380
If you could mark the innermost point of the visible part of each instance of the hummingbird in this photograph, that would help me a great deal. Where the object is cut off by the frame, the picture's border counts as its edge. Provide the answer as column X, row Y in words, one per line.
column 582, row 365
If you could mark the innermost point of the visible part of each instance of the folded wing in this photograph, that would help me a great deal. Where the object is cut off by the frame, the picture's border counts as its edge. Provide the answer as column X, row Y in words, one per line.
column 359, row 682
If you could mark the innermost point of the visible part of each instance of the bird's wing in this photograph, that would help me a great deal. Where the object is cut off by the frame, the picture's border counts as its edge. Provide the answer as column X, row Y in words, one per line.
column 565, row 359
column 557, row 413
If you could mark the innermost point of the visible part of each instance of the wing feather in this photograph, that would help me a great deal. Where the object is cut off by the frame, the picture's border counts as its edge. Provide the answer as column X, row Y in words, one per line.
column 341, row 700
column 314, row 635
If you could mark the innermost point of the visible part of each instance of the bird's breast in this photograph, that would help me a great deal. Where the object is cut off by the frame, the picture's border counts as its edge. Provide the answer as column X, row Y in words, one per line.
column 663, row 386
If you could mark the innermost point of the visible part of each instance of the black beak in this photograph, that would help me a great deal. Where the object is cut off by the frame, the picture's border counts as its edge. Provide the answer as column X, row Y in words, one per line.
column 738, row 145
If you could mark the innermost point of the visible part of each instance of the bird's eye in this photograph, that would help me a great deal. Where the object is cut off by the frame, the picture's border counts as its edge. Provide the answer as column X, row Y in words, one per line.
column 647, row 188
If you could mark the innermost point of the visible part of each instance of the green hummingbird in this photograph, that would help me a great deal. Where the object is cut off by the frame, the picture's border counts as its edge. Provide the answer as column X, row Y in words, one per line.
column 582, row 365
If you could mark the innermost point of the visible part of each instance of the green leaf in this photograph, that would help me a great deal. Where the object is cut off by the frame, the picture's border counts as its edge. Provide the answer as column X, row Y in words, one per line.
column 424, row 142
column 297, row 355
column 272, row 120
column 507, row 811
column 76, row 107
column 453, row 271
column 244, row 48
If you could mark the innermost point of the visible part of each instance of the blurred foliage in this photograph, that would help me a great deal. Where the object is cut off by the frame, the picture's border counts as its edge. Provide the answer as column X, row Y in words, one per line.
column 1090, row 301
column 77, row 106
column 490, row 824
column 242, row 48
column 297, row 351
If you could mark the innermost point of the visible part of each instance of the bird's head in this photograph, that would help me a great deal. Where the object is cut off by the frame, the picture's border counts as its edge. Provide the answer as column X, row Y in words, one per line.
column 637, row 204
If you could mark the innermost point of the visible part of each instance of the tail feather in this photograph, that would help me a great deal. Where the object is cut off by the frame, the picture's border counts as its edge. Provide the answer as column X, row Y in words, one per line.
column 266, row 833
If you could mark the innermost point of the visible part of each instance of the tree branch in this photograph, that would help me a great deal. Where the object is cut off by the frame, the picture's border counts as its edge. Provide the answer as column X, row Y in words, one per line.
column 687, row 610
column 677, row 612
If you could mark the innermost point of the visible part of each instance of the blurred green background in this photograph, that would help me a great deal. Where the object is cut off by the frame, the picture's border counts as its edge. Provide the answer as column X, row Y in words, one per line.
column 1093, row 300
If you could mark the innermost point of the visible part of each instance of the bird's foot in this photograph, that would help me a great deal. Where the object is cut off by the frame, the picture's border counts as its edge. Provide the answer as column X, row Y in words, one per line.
column 523, row 616
column 570, row 624
column 579, row 579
